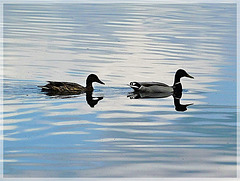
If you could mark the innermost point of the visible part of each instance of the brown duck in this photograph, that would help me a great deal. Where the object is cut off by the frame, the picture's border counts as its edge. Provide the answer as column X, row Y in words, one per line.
column 70, row 87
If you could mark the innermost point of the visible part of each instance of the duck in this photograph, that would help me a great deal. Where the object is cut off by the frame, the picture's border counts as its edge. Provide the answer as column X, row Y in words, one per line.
column 69, row 88
column 158, row 87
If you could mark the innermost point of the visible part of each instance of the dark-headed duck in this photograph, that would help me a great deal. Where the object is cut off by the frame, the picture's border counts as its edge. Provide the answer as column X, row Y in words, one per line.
column 69, row 87
column 161, row 87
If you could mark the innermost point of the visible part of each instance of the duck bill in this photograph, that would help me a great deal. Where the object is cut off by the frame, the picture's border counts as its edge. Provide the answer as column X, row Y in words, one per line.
column 188, row 104
column 189, row 76
column 100, row 82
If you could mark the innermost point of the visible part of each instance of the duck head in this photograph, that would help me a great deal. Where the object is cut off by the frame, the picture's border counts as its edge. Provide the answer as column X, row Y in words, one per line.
column 179, row 74
column 177, row 86
column 182, row 73
column 93, row 78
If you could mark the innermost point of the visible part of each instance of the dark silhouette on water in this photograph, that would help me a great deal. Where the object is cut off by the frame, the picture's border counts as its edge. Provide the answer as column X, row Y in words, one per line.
column 179, row 106
column 70, row 88
column 158, row 87
column 65, row 90
column 92, row 101
column 143, row 90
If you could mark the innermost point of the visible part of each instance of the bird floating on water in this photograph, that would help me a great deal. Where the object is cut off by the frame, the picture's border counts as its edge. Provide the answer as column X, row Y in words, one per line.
column 66, row 88
column 154, row 87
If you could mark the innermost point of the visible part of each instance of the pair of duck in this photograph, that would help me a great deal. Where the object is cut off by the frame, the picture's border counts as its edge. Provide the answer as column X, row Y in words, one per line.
column 150, row 87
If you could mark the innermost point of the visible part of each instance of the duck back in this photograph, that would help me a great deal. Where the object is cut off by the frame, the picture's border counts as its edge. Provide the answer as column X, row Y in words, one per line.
column 63, row 87
column 151, row 87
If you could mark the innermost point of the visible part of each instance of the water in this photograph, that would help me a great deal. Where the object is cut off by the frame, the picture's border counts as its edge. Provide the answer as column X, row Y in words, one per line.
column 63, row 136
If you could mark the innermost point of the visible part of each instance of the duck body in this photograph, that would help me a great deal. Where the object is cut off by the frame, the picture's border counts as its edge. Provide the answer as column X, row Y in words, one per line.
column 151, row 87
column 66, row 88
column 154, row 87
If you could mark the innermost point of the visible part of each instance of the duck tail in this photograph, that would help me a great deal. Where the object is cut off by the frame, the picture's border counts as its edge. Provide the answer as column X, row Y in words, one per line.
column 44, row 87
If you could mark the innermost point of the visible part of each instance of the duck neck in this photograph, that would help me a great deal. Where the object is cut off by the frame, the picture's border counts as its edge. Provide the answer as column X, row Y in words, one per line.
column 89, row 86
column 177, row 86
column 176, row 80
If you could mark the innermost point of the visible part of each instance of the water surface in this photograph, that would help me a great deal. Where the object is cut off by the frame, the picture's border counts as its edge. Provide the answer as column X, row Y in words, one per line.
column 63, row 136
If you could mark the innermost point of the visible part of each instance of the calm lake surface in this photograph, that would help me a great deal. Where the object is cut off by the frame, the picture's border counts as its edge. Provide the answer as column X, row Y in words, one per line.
column 78, row 136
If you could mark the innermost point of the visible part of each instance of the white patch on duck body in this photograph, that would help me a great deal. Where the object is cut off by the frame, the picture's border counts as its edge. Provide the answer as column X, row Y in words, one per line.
column 134, row 85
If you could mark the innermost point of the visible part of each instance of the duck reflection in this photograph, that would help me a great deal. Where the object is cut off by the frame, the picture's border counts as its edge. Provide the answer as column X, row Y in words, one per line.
column 146, row 95
column 176, row 96
column 179, row 106
column 90, row 99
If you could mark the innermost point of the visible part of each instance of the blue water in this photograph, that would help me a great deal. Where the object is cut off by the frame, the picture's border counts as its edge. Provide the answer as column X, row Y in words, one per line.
column 63, row 136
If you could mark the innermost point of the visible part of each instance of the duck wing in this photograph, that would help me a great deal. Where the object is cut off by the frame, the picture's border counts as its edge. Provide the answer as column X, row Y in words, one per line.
column 150, row 87
column 53, row 83
column 63, row 87
column 63, row 83
column 58, row 84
